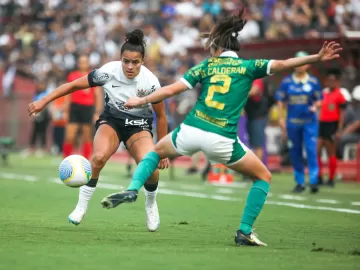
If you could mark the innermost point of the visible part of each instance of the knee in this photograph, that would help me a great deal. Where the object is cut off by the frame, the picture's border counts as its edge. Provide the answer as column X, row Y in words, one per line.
column 98, row 160
column 265, row 176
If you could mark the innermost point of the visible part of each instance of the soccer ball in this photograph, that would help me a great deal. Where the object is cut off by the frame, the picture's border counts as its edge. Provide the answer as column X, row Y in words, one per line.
column 75, row 171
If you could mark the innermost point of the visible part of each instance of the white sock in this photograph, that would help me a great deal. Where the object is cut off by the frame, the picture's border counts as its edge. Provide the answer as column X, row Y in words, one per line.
column 150, row 196
column 85, row 194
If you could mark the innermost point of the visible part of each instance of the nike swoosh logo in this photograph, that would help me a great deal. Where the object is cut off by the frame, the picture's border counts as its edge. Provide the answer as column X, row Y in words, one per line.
column 114, row 86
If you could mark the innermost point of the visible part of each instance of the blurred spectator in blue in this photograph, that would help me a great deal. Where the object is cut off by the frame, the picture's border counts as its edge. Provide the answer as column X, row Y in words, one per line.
column 40, row 123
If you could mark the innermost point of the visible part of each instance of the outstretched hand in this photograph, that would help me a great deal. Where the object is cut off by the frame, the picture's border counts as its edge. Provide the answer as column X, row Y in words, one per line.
column 329, row 51
column 36, row 107
column 133, row 102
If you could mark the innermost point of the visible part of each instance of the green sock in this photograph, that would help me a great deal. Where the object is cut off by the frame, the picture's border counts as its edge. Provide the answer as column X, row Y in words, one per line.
column 254, row 203
column 144, row 170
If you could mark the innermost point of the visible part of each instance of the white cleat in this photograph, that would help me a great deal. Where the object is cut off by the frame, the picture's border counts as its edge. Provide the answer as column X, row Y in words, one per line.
column 76, row 216
column 152, row 211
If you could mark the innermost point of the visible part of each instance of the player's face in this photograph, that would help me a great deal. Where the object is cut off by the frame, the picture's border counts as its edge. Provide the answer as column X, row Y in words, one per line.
column 332, row 82
column 131, row 63
column 83, row 63
column 302, row 69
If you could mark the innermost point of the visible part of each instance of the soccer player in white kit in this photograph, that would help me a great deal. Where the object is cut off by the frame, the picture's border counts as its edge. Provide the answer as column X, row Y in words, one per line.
column 120, row 80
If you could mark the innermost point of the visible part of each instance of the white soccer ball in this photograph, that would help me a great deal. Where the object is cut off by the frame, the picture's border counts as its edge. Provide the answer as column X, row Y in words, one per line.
column 75, row 171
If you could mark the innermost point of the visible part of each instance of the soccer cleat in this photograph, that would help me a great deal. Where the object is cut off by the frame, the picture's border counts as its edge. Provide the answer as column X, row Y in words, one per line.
column 251, row 239
column 77, row 215
column 113, row 200
column 298, row 189
column 152, row 211
column 314, row 189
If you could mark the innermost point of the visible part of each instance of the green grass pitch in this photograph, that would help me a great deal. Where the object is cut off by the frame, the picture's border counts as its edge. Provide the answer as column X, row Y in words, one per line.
column 198, row 222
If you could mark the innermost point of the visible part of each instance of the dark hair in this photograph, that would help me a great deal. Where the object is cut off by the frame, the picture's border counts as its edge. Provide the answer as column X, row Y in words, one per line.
column 134, row 42
column 225, row 33
column 335, row 72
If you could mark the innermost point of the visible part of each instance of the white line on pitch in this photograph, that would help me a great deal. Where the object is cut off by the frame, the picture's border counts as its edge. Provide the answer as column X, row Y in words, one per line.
column 202, row 195
column 292, row 197
column 14, row 176
column 327, row 201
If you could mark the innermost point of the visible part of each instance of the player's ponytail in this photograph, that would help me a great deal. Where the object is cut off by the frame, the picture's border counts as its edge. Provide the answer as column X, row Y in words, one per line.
column 225, row 33
column 134, row 42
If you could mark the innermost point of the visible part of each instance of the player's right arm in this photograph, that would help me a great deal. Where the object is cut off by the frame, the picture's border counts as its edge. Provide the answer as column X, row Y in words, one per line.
column 62, row 90
column 329, row 51
column 97, row 77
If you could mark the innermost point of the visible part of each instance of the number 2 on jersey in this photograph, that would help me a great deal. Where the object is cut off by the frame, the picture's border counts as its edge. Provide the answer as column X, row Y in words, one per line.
column 217, row 89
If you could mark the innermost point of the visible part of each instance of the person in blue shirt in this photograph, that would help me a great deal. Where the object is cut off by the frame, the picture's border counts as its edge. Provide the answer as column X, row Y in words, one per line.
column 300, row 94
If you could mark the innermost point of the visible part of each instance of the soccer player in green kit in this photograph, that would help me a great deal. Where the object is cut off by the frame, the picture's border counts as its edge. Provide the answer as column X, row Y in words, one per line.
column 211, row 127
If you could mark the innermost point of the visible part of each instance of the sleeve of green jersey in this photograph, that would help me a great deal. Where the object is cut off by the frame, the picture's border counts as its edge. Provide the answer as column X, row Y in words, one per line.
column 192, row 76
column 260, row 68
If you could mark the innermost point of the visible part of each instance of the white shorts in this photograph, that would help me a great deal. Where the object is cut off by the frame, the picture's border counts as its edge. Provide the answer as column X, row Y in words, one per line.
column 188, row 140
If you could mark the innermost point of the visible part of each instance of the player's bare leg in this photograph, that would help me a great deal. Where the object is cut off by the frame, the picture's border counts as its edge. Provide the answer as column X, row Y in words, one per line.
column 330, row 147
column 139, row 145
column 106, row 142
column 147, row 166
column 87, row 135
column 251, row 166
column 70, row 135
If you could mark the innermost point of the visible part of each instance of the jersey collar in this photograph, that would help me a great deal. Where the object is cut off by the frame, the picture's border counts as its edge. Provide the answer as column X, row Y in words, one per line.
column 303, row 80
column 229, row 54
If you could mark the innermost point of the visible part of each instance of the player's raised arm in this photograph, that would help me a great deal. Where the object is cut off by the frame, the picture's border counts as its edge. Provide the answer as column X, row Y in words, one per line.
column 329, row 51
column 62, row 90
column 159, row 95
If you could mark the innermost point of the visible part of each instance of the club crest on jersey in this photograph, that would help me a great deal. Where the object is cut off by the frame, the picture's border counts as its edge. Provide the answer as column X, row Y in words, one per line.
column 141, row 93
column 307, row 87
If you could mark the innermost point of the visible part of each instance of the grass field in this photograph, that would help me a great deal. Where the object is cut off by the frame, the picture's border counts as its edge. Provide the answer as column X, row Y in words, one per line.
column 198, row 222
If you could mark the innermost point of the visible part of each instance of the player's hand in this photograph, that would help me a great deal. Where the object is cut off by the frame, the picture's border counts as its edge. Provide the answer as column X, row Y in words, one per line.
column 36, row 107
column 133, row 102
column 313, row 108
column 66, row 117
column 164, row 164
column 329, row 51
column 282, row 124
column 338, row 135
column 95, row 117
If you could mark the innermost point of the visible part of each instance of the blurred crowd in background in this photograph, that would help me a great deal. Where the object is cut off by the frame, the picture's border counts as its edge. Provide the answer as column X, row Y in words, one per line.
column 42, row 39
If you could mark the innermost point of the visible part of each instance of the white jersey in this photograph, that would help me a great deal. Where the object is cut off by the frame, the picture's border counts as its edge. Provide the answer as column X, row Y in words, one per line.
column 118, row 89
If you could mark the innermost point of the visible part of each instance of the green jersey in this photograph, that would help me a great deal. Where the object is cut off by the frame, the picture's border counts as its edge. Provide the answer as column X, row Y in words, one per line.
column 226, row 82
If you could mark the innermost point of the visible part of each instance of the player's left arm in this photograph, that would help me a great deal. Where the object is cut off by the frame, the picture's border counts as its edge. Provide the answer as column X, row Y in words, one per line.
column 99, row 102
column 329, row 51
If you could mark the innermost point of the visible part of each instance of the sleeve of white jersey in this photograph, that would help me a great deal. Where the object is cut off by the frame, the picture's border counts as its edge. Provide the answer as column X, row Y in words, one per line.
column 99, row 77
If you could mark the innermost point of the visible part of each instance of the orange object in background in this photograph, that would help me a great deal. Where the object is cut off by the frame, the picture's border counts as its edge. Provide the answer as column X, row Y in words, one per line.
column 220, row 174
column 58, row 106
